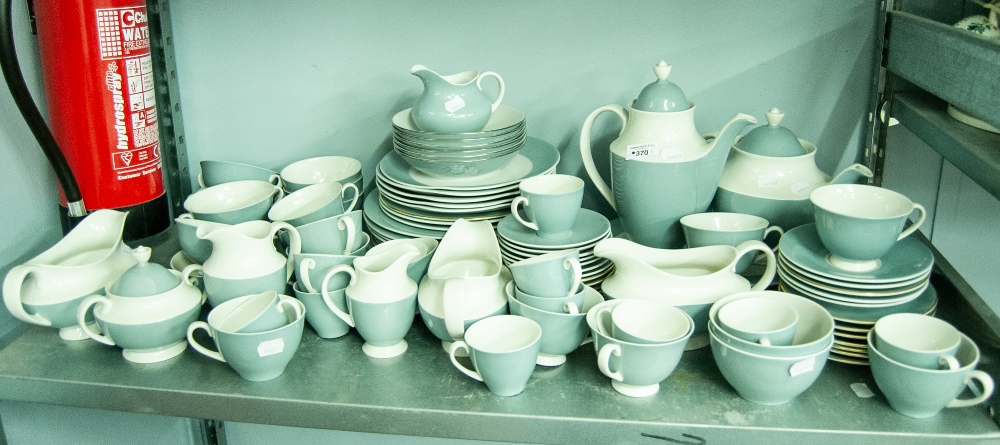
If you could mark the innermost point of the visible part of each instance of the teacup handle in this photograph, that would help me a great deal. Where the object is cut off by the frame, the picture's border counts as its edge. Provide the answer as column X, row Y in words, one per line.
column 459, row 344
column 190, row 269
column 604, row 359
column 479, row 84
column 985, row 380
column 280, row 191
column 573, row 263
column 305, row 266
column 345, row 223
column 201, row 179
column 294, row 304
column 773, row 229
column 12, row 295
column 599, row 317
column 326, row 293
column 916, row 224
column 513, row 210
column 750, row 245
column 276, row 180
column 197, row 347
column 453, row 294
column 764, row 341
column 357, row 194
column 81, row 317
column 949, row 362
column 569, row 307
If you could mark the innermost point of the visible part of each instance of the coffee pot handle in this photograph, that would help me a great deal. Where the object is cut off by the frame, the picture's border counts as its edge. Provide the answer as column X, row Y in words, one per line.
column 81, row 317
column 588, row 157
column 198, row 347
column 479, row 84
column 985, row 380
column 604, row 360
column 12, row 295
column 769, row 270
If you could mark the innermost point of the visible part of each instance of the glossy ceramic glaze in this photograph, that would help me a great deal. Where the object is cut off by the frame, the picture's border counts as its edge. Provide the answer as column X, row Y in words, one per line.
column 455, row 103
column 679, row 276
column 246, row 252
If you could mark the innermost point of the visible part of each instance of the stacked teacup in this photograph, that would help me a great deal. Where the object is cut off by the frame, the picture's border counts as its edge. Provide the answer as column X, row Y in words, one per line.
column 923, row 364
column 770, row 346
column 638, row 342
column 548, row 289
column 257, row 335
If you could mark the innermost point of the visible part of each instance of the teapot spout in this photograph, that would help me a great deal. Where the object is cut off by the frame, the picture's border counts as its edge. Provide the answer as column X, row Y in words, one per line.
column 728, row 134
column 852, row 174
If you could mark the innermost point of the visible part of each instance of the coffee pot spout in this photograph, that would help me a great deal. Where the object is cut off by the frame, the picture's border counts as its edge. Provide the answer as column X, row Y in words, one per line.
column 852, row 174
column 727, row 135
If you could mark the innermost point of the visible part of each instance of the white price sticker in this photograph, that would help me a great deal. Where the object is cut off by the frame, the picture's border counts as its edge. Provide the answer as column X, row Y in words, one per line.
column 270, row 347
column 672, row 154
column 862, row 390
column 454, row 104
column 801, row 187
column 641, row 151
column 767, row 181
column 802, row 367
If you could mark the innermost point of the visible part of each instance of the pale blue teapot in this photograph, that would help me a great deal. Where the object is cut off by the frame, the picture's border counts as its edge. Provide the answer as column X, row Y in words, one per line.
column 455, row 103
column 661, row 168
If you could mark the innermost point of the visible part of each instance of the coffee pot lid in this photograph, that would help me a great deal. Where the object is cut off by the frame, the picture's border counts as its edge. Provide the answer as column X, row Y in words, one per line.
column 145, row 278
column 771, row 139
column 662, row 95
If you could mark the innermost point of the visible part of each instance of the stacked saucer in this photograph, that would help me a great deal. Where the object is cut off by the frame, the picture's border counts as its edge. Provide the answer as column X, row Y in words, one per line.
column 856, row 300
column 408, row 203
column 518, row 242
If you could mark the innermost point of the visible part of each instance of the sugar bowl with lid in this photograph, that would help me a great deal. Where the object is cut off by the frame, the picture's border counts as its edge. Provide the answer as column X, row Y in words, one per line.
column 146, row 311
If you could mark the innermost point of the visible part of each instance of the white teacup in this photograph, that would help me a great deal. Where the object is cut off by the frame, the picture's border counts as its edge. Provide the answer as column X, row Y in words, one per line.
column 233, row 202
column 730, row 229
column 759, row 320
column 551, row 204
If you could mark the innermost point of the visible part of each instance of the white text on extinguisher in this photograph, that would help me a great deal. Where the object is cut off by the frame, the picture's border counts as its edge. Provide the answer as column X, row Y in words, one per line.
column 114, row 83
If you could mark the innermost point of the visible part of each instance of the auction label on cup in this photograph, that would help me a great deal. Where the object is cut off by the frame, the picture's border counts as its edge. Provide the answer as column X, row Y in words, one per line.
column 672, row 154
column 454, row 104
column 767, row 181
column 802, row 367
column 801, row 187
column 862, row 390
column 642, row 151
column 270, row 347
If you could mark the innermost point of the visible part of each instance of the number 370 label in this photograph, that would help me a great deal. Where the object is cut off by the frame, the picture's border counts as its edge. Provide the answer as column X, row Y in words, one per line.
column 642, row 151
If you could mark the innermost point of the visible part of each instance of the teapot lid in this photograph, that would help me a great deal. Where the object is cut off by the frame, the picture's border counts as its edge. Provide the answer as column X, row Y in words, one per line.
column 771, row 139
column 144, row 279
column 661, row 95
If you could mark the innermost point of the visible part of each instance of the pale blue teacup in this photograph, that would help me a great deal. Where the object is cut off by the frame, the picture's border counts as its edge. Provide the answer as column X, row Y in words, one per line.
column 562, row 332
column 503, row 350
column 645, row 322
column 256, row 356
column 311, row 267
column 572, row 304
column 553, row 274
column 320, row 317
column 551, row 204
column 233, row 202
column 336, row 235
column 382, row 324
column 728, row 229
column 918, row 340
column 313, row 203
column 859, row 224
column 759, row 320
column 220, row 172
column 258, row 313
column 302, row 173
column 921, row 393
column 220, row 290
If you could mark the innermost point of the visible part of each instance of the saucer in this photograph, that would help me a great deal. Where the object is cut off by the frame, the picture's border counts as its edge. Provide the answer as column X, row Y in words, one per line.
column 845, row 286
column 908, row 259
column 589, row 227
column 376, row 217
column 535, row 158
column 922, row 304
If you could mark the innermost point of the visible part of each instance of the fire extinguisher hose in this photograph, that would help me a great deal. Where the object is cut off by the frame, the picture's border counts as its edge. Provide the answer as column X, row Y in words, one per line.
column 25, row 103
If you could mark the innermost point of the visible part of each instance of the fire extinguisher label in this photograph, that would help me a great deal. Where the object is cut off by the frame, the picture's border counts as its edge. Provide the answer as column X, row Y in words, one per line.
column 124, row 44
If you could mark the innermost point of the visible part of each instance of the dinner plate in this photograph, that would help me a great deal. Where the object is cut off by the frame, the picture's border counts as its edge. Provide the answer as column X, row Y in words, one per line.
column 534, row 158
column 446, row 208
column 376, row 217
column 909, row 258
column 440, row 218
column 589, row 227
column 385, row 186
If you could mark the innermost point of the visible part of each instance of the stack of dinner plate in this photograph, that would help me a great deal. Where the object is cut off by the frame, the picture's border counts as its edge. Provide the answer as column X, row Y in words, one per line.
column 856, row 300
column 409, row 203
column 518, row 242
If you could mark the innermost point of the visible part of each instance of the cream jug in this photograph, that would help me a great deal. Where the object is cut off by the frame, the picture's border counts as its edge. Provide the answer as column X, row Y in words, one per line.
column 770, row 173
column 679, row 277
column 376, row 278
column 455, row 103
column 661, row 167
column 47, row 289
column 465, row 281
column 244, row 260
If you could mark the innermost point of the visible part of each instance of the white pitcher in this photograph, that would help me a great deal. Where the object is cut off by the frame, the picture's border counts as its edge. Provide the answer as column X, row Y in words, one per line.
column 244, row 260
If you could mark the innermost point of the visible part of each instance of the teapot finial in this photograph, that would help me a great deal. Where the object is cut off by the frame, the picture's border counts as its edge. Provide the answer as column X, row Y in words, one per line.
column 774, row 116
column 662, row 70
column 142, row 254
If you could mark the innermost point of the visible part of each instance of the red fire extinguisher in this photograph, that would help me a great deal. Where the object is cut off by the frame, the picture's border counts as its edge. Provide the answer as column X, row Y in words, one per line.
column 98, row 77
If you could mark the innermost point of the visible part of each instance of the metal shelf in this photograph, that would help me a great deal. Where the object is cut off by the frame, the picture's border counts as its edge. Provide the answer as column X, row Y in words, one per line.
column 952, row 64
column 973, row 151
column 330, row 384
